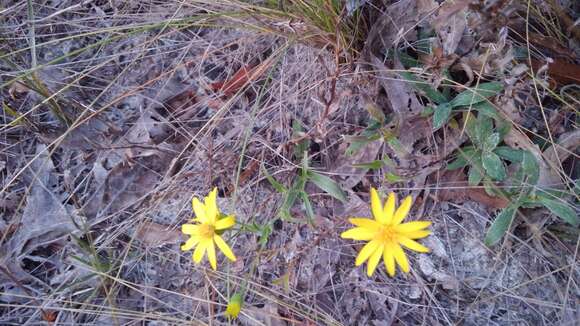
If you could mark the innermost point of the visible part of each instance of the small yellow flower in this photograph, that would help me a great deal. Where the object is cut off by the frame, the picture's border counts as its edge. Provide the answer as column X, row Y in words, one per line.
column 386, row 234
column 234, row 306
column 207, row 230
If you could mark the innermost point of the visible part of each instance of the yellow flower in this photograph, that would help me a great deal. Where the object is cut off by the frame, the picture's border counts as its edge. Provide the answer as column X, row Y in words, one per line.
column 234, row 306
column 206, row 231
column 386, row 234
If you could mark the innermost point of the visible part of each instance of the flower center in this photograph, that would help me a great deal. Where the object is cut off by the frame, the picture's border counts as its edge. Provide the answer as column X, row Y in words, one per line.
column 206, row 230
column 387, row 234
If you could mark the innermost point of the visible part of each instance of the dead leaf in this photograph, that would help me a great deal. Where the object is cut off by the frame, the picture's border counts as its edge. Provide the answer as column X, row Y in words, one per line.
column 566, row 146
column 241, row 78
column 454, row 188
column 450, row 23
column 562, row 72
column 343, row 165
column 156, row 235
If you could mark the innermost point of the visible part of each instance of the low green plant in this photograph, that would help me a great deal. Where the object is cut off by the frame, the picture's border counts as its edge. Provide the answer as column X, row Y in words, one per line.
column 304, row 175
column 487, row 161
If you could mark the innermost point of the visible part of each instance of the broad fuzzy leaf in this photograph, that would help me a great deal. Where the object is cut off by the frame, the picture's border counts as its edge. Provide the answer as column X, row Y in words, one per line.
column 476, row 95
column 441, row 115
column 500, row 226
column 493, row 166
column 561, row 209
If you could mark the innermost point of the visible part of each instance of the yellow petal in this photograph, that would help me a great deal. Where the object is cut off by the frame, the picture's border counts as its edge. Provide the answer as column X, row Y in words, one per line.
column 190, row 243
column 402, row 211
column 416, row 234
column 401, row 258
column 211, row 206
column 200, row 250
column 412, row 226
column 374, row 260
column 365, row 223
column 389, row 260
column 189, row 228
column 225, row 223
column 211, row 255
column 199, row 210
column 366, row 252
column 376, row 207
column 223, row 246
column 413, row 245
column 389, row 208
column 358, row 234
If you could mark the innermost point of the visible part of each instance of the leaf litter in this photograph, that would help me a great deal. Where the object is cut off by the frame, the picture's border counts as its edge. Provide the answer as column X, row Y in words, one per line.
column 93, row 221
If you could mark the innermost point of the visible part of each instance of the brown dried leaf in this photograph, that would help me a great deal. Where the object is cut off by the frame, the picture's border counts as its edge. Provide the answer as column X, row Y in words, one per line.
column 153, row 234
column 450, row 23
column 455, row 189
column 241, row 78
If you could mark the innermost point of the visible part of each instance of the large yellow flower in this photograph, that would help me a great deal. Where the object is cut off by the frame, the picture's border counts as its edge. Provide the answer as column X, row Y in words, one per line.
column 206, row 231
column 386, row 234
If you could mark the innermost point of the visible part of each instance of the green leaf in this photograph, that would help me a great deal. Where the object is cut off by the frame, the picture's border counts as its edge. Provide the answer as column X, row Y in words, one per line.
column 530, row 167
column 307, row 207
column 275, row 184
column 423, row 86
column 392, row 178
column 459, row 162
column 441, row 115
column 374, row 165
column 510, row 154
column 370, row 134
column 500, row 226
column 561, row 209
column 491, row 142
column 493, row 166
column 476, row 95
column 298, row 132
column 471, row 123
column 328, row 185
column 484, row 129
column 475, row 176
column 465, row 156
column 486, row 108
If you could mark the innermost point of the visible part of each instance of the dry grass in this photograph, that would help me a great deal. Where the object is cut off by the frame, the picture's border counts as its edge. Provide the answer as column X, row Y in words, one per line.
column 105, row 147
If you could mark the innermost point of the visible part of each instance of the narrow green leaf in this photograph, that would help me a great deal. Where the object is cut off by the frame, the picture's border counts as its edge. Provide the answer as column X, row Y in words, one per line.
column 298, row 132
column 561, row 209
column 374, row 165
column 307, row 207
column 441, row 115
column 510, row 154
column 328, row 185
column 500, row 226
column 275, row 184
column 493, row 166
column 475, row 95
column 392, row 178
